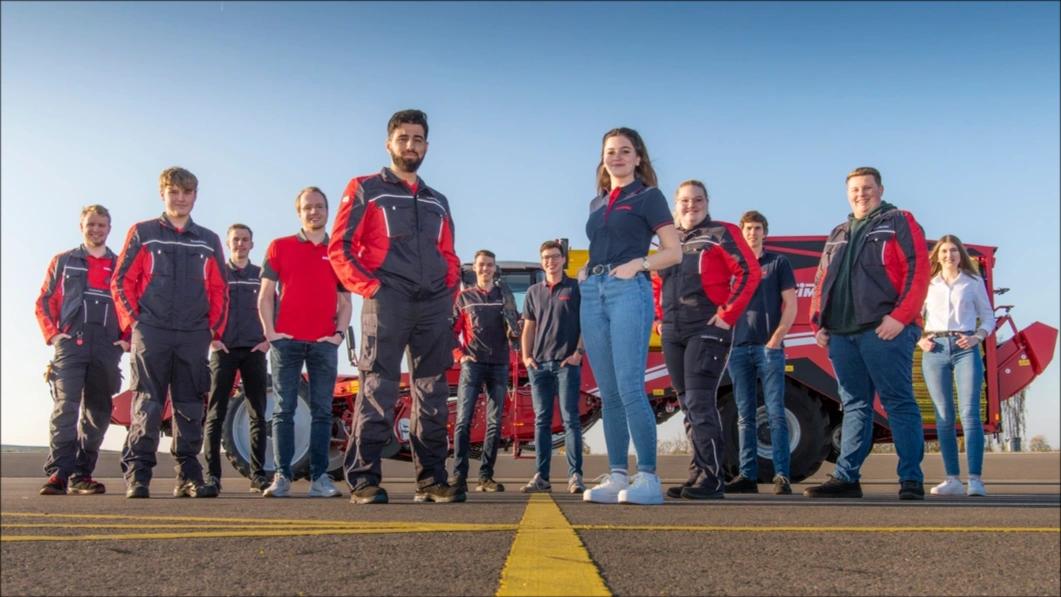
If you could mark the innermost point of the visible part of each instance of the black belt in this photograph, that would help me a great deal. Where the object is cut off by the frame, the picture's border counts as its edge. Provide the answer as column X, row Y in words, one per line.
column 947, row 334
column 601, row 268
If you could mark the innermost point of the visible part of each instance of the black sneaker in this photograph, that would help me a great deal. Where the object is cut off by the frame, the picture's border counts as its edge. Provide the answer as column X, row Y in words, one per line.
column 488, row 484
column 369, row 494
column 55, row 485
column 835, row 488
column 195, row 490
column 137, row 491
column 911, row 490
column 781, row 486
column 259, row 483
column 459, row 482
column 442, row 493
column 85, row 486
column 742, row 484
column 215, row 481
column 675, row 491
column 702, row 493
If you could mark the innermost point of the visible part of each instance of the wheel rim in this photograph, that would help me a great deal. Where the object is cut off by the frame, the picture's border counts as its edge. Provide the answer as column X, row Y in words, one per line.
column 762, row 423
column 241, row 431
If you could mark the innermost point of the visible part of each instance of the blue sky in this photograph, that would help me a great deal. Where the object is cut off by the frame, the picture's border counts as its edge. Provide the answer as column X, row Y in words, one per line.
column 771, row 104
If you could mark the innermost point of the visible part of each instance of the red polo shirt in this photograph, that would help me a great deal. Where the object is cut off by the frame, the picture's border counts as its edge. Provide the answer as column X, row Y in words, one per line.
column 308, row 287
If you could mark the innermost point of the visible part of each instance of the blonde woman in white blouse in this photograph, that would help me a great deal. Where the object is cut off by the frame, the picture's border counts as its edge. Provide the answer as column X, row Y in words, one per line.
column 958, row 318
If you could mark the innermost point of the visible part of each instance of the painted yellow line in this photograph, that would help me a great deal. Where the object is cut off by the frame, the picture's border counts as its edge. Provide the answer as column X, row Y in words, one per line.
column 281, row 532
column 547, row 557
column 787, row 529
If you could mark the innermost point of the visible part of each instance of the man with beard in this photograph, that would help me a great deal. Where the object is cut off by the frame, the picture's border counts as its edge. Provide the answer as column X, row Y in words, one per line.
column 76, row 315
column 393, row 244
column 304, row 328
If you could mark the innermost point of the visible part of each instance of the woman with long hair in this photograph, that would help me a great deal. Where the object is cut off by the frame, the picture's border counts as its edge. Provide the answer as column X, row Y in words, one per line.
column 616, row 310
column 698, row 301
column 958, row 318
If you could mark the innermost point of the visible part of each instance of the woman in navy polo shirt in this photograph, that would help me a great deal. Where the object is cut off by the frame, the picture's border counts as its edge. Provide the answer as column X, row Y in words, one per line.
column 616, row 311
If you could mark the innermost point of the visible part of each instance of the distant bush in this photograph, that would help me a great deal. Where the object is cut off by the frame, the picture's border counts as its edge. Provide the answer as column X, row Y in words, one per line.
column 1039, row 444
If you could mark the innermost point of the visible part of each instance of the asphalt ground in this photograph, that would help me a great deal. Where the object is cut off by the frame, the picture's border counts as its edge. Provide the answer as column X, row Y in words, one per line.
column 509, row 543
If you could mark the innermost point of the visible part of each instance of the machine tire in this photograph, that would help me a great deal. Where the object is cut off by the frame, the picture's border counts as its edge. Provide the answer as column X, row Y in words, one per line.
column 235, row 435
column 808, row 435
column 834, row 441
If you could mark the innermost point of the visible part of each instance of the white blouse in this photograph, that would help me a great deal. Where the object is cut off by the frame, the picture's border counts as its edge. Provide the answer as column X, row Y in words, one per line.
column 956, row 307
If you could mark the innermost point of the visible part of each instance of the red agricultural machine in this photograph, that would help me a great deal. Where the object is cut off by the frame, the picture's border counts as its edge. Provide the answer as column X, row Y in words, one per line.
column 812, row 401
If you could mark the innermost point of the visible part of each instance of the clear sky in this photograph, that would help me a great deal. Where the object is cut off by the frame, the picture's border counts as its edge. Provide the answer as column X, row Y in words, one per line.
column 770, row 104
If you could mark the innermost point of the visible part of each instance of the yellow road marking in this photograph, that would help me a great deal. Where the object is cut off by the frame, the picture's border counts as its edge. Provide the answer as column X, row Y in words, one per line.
column 547, row 557
column 787, row 529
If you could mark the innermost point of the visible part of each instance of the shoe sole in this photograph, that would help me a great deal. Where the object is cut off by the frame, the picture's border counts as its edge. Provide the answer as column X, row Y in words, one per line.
column 423, row 499
column 911, row 497
column 613, row 500
column 376, row 499
column 54, row 492
column 270, row 494
column 488, row 490
column 84, row 492
column 713, row 496
column 136, row 497
column 575, row 490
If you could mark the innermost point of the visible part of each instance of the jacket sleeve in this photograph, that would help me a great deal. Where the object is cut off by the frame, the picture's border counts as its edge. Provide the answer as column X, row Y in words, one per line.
column 345, row 245
column 744, row 269
column 130, row 279
column 49, row 301
column 913, row 268
column 460, row 325
column 217, row 290
column 819, row 280
column 445, row 247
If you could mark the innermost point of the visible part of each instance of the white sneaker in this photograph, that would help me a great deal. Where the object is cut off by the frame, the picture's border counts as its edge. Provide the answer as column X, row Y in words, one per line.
column 976, row 488
column 323, row 487
column 575, row 484
column 950, row 486
column 644, row 489
column 607, row 491
column 281, row 487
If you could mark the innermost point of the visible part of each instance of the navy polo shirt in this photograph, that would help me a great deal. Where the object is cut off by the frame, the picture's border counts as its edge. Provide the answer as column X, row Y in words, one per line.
column 554, row 309
column 760, row 319
column 622, row 229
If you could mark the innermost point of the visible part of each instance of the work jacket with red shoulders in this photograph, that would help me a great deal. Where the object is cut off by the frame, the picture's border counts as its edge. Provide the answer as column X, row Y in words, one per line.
column 718, row 275
column 889, row 272
column 72, row 296
column 171, row 278
column 388, row 234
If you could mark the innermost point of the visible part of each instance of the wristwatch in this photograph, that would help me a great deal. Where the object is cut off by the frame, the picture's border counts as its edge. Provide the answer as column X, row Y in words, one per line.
column 645, row 264
column 341, row 334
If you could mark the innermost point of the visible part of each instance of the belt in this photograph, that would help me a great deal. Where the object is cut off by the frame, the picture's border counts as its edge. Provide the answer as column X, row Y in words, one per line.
column 947, row 334
column 600, row 268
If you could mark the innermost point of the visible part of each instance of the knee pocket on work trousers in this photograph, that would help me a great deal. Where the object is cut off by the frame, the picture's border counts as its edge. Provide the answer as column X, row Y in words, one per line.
column 369, row 343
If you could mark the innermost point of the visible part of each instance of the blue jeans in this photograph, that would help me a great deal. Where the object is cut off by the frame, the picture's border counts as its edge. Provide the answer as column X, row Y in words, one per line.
column 473, row 377
column 943, row 366
column 865, row 364
column 616, row 320
column 746, row 364
column 321, row 360
column 549, row 378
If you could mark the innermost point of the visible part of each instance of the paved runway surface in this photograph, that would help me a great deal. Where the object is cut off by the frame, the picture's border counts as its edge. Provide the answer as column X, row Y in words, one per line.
column 509, row 543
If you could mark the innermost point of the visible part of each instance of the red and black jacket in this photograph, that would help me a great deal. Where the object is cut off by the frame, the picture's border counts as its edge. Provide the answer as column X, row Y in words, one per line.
column 387, row 234
column 482, row 323
column 243, row 329
column 889, row 272
column 718, row 275
column 70, row 297
column 171, row 278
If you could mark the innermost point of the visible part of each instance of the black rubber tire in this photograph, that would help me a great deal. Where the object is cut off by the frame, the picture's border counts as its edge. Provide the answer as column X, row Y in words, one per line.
column 237, row 450
column 834, row 441
column 812, row 446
